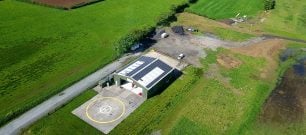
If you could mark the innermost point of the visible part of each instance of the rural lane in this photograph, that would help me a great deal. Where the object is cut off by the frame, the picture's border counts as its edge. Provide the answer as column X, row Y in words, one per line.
column 15, row 127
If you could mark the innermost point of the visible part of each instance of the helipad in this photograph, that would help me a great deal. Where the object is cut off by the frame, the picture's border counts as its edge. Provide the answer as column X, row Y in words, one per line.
column 106, row 110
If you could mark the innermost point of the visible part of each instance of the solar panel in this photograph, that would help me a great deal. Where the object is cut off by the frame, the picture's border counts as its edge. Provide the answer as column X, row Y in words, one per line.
column 132, row 67
column 152, row 74
column 136, row 66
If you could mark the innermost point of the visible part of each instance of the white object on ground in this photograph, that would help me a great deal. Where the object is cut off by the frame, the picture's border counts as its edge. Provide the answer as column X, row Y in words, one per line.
column 164, row 35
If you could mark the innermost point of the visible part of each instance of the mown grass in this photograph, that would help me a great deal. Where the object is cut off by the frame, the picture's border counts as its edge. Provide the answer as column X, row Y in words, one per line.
column 63, row 121
column 43, row 50
column 224, row 9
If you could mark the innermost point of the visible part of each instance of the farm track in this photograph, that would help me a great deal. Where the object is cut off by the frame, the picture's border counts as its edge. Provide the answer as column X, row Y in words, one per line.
column 285, row 38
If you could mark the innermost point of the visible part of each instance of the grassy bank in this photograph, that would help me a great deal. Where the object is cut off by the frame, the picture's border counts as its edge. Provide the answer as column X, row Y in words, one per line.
column 44, row 50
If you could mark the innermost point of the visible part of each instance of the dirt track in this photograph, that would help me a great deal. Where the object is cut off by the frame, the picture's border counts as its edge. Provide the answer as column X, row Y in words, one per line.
column 62, row 3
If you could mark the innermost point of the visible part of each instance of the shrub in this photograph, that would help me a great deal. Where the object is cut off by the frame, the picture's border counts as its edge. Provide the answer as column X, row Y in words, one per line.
column 270, row 4
column 126, row 42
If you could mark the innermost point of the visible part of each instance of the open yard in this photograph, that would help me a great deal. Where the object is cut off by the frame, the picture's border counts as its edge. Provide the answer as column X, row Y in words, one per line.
column 44, row 50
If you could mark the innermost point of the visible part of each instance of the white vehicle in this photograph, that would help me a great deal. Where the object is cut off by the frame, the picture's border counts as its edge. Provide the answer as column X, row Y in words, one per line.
column 181, row 56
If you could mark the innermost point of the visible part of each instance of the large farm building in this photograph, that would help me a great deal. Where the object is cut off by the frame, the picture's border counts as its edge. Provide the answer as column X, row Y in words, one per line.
column 145, row 76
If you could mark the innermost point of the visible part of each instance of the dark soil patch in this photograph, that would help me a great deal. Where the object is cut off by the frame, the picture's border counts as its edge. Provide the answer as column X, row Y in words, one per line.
column 227, row 21
column 287, row 103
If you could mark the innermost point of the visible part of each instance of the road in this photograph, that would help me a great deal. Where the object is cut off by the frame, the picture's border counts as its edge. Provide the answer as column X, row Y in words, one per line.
column 15, row 127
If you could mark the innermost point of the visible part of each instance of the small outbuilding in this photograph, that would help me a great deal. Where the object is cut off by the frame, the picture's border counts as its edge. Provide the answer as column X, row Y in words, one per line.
column 178, row 30
column 146, row 76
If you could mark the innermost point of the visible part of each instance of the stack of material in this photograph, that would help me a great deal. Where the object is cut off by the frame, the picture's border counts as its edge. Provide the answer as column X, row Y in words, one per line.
column 178, row 30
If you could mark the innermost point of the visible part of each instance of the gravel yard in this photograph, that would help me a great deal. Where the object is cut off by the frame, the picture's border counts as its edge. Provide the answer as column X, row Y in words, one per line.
column 193, row 46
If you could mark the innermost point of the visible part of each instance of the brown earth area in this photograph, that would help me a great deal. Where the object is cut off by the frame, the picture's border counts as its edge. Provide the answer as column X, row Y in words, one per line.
column 287, row 103
column 228, row 61
column 62, row 3
column 268, row 50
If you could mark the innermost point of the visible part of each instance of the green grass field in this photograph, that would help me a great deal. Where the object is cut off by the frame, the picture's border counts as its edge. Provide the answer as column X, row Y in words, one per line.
column 288, row 19
column 63, row 121
column 43, row 49
column 224, row 9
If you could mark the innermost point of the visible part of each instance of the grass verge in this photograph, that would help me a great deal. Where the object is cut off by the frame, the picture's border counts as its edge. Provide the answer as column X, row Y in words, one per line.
column 63, row 121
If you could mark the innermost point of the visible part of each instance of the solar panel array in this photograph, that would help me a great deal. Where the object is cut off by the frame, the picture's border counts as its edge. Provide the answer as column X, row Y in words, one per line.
column 148, row 78
column 136, row 66
column 147, row 71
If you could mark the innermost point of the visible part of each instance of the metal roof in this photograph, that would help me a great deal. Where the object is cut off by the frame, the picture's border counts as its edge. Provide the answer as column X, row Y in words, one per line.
column 147, row 71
